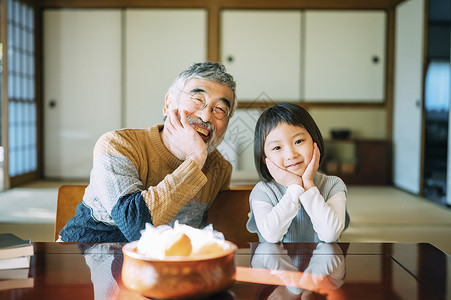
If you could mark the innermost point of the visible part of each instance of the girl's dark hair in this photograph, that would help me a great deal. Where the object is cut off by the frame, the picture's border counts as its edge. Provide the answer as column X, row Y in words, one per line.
column 291, row 114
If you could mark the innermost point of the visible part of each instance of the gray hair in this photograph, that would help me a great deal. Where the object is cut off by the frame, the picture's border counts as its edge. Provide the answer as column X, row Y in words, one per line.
column 212, row 71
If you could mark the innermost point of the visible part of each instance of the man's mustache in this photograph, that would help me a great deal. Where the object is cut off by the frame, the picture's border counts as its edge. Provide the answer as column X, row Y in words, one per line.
column 207, row 125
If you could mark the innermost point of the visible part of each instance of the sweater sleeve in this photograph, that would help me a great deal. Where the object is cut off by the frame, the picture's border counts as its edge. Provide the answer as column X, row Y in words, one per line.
column 273, row 221
column 167, row 198
column 328, row 218
column 131, row 215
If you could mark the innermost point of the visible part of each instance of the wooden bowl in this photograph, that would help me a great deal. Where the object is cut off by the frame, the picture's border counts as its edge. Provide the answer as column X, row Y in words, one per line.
column 178, row 277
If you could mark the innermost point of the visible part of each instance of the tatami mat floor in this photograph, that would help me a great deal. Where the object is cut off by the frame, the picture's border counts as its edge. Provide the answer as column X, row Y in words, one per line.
column 388, row 214
column 378, row 214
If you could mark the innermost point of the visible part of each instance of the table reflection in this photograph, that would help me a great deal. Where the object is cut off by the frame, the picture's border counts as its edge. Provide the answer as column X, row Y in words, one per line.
column 264, row 271
column 292, row 273
column 105, row 264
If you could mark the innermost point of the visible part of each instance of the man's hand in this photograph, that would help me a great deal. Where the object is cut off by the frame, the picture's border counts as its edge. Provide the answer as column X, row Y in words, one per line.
column 312, row 168
column 184, row 142
column 284, row 177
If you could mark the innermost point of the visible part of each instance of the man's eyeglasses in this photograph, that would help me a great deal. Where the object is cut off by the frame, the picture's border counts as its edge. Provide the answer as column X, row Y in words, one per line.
column 199, row 101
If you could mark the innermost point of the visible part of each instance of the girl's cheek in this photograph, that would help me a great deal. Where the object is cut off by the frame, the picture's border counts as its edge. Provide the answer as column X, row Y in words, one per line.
column 312, row 151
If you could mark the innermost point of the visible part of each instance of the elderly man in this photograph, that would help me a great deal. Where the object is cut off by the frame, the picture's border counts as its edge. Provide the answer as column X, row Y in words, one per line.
column 164, row 173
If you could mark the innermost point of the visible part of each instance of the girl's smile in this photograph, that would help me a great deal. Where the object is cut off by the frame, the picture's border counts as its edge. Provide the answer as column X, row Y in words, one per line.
column 294, row 165
column 289, row 147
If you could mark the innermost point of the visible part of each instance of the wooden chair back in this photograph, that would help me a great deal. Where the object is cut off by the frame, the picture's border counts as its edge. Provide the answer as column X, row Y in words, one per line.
column 228, row 213
column 68, row 198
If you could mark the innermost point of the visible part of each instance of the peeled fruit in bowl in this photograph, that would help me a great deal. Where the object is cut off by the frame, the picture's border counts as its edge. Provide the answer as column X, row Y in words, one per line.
column 209, row 248
column 180, row 242
column 177, row 244
column 179, row 262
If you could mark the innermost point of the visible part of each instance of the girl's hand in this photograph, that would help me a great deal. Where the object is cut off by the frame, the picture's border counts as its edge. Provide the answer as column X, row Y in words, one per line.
column 284, row 177
column 312, row 168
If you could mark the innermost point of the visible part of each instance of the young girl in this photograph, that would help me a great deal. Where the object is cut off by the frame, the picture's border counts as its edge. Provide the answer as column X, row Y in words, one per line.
column 294, row 202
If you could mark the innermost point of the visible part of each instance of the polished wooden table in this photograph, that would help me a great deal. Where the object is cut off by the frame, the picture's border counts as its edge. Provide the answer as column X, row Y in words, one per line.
column 264, row 271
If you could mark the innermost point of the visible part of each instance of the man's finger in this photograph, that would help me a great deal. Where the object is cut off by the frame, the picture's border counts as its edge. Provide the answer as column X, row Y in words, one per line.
column 174, row 118
column 168, row 124
column 184, row 119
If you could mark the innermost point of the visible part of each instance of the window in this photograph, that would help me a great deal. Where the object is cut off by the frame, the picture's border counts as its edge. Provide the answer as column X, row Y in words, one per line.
column 21, row 89
column 437, row 86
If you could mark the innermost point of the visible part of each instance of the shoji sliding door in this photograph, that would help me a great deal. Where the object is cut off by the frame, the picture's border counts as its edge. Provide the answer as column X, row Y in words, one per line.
column 82, row 86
